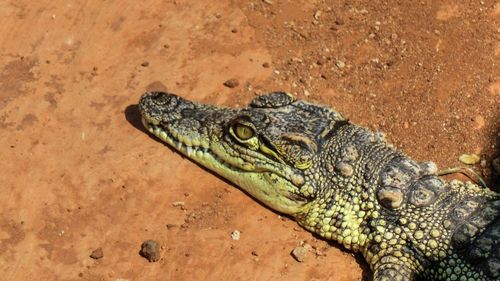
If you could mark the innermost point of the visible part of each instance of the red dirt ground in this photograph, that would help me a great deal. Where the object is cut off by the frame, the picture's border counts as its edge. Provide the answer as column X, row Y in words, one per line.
column 78, row 172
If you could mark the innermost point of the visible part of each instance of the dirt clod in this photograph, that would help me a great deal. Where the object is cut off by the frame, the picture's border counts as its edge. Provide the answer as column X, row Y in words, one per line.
column 232, row 83
column 150, row 249
column 97, row 254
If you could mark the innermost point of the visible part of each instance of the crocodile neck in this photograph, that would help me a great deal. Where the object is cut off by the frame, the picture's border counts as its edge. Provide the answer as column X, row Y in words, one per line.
column 346, row 202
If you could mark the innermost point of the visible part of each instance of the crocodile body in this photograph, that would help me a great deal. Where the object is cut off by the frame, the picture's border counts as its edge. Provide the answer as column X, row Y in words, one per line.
column 340, row 181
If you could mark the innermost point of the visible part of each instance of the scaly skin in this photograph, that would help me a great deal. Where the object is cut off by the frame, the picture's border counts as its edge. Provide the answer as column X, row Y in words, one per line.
column 340, row 181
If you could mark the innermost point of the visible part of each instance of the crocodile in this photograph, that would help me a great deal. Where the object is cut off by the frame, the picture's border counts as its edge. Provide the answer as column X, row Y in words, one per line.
column 340, row 181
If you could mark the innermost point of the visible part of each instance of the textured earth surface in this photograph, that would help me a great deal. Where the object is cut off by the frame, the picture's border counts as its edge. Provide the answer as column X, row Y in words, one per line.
column 78, row 173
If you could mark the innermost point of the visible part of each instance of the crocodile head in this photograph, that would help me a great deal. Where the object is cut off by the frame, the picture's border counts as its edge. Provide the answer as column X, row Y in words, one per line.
column 270, row 148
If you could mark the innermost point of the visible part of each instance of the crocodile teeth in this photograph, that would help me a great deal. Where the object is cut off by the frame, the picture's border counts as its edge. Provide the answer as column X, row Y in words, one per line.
column 163, row 136
column 189, row 151
column 178, row 144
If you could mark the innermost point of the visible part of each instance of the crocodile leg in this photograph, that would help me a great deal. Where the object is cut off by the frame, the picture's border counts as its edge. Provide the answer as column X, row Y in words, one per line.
column 393, row 273
column 392, row 268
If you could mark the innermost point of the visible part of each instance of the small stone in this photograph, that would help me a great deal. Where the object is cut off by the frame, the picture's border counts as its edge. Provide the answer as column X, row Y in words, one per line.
column 300, row 253
column 317, row 15
column 254, row 253
column 145, row 64
column 234, row 30
column 406, row 125
column 266, row 65
column 320, row 61
column 469, row 159
column 178, row 204
column 232, row 83
column 340, row 64
column 150, row 249
column 235, row 235
column 478, row 122
column 97, row 254
column 171, row 225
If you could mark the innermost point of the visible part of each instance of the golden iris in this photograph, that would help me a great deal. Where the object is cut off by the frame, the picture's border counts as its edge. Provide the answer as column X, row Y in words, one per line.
column 243, row 132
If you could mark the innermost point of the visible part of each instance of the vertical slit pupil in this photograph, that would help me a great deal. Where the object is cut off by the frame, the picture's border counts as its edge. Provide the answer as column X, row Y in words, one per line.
column 243, row 132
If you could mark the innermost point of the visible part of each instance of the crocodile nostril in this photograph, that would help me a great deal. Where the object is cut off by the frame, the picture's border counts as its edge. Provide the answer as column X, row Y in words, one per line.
column 159, row 96
column 166, row 100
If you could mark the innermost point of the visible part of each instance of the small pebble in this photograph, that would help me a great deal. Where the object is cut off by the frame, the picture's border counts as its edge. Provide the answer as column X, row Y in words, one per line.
column 150, row 249
column 145, row 64
column 178, row 203
column 232, row 83
column 235, row 235
column 170, row 225
column 317, row 15
column 469, row 159
column 340, row 64
column 266, row 65
column 300, row 253
column 478, row 122
column 97, row 254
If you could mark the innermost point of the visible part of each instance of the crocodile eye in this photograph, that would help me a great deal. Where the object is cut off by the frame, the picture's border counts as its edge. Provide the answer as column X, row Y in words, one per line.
column 243, row 132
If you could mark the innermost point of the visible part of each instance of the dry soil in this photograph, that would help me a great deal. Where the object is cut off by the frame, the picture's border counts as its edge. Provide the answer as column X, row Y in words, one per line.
column 78, row 173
